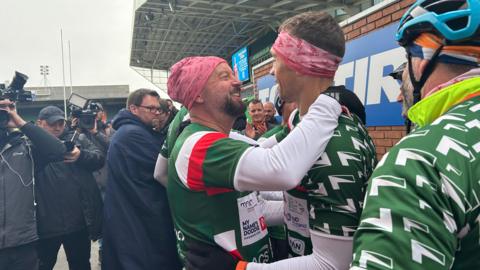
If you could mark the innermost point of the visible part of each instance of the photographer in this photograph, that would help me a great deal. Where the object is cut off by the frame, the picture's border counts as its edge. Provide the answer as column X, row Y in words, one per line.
column 91, row 126
column 69, row 202
column 24, row 150
column 100, row 135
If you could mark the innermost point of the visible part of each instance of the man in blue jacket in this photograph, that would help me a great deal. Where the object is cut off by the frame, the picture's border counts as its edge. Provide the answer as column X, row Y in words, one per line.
column 138, row 230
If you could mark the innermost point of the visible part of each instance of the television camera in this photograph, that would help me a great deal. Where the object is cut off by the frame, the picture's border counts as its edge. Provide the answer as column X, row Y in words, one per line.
column 84, row 110
column 14, row 92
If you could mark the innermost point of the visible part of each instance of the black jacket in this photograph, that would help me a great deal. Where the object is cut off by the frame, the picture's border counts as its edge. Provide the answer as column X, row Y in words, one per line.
column 138, row 231
column 68, row 196
column 20, row 156
column 102, row 141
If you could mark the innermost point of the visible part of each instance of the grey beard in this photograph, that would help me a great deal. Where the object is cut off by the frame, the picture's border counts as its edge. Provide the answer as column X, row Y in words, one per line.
column 407, row 92
column 233, row 109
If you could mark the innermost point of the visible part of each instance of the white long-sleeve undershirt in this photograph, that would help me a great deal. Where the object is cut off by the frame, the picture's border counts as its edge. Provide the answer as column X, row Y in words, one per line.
column 282, row 166
column 272, row 210
column 329, row 253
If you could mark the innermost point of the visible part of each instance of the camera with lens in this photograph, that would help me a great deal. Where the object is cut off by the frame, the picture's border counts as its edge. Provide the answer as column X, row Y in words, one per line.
column 14, row 92
column 84, row 110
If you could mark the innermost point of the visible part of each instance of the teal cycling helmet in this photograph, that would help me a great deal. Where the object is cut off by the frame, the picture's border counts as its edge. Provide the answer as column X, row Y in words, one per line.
column 456, row 21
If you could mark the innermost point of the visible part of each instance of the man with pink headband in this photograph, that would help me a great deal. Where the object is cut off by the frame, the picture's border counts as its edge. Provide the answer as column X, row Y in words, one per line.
column 323, row 211
column 210, row 175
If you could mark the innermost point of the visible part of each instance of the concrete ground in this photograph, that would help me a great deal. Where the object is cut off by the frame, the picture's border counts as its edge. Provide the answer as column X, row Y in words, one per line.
column 62, row 263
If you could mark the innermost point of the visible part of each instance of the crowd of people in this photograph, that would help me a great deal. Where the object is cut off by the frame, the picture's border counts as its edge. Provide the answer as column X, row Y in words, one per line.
column 288, row 184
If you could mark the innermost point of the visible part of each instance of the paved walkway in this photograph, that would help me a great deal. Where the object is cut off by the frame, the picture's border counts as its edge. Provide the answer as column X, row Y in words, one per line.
column 62, row 263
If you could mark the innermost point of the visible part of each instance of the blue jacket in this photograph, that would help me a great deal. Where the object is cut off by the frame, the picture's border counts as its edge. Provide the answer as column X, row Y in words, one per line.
column 138, row 228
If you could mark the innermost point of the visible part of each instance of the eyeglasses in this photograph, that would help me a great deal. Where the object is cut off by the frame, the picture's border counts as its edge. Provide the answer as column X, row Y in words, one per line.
column 152, row 109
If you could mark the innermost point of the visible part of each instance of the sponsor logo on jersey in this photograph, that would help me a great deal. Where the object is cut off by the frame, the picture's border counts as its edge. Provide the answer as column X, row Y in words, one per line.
column 263, row 255
column 296, row 245
column 252, row 223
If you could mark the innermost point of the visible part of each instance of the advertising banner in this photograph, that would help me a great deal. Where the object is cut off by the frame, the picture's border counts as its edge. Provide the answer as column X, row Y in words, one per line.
column 368, row 61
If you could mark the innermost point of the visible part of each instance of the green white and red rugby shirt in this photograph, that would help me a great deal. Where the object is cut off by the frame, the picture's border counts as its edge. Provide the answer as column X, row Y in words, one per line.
column 201, row 193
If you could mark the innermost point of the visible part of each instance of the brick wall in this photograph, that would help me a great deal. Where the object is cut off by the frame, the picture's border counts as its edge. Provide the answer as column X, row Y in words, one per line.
column 378, row 19
column 386, row 136
column 262, row 71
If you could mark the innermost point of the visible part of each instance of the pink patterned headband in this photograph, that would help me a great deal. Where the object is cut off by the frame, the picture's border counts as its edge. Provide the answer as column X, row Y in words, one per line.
column 304, row 57
column 189, row 76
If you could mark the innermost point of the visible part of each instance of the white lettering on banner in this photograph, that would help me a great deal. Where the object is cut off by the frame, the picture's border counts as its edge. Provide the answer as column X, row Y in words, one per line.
column 371, row 68
column 268, row 94
column 263, row 94
column 360, row 81
column 273, row 93
column 296, row 215
column 344, row 72
column 376, row 80
column 252, row 223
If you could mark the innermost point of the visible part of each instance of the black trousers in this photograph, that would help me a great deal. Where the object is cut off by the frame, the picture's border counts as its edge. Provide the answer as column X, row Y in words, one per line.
column 19, row 258
column 76, row 246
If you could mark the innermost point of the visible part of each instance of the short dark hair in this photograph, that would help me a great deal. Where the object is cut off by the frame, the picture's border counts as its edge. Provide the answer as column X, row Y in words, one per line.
column 164, row 105
column 256, row 101
column 319, row 29
column 136, row 97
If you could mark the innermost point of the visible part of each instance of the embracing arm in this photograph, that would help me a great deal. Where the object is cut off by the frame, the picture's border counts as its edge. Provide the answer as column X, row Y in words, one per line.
column 299, row 150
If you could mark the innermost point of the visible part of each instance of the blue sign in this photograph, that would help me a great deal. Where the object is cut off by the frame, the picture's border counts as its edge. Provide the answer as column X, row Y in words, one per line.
column 368, row 61
column 267, row 88
column 240, row 64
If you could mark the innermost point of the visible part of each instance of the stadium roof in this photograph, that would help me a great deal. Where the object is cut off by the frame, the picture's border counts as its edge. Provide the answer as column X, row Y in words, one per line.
column 166, row 31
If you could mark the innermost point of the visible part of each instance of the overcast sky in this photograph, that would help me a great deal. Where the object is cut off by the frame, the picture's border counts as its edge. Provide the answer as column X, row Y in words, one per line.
column 99, row 32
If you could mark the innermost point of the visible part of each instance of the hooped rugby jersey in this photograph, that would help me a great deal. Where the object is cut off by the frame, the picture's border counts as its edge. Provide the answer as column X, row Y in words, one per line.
column 204, row 204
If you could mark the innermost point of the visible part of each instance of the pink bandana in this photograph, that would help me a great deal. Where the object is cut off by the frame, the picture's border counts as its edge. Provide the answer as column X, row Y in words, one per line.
column 188, row 77
column 304, row 57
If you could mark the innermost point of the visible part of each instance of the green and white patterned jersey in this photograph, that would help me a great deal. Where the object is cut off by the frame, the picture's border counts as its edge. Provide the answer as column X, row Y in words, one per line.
column 423, row 201
column 205, row 206
column 329, row 198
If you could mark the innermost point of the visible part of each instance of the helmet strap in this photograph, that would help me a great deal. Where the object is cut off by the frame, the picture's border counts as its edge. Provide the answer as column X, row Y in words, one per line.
column 418, row 84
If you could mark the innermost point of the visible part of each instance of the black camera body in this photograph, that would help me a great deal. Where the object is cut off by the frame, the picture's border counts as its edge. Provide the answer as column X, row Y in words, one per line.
column 14, row 92
column 84, row 110
column 71, row 142
column 86, row 118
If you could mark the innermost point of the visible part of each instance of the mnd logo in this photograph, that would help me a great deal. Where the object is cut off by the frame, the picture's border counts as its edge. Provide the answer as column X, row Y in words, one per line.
column 247, row 204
